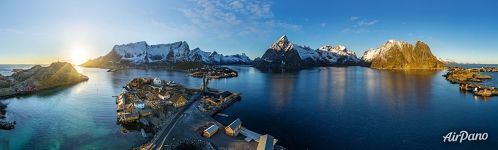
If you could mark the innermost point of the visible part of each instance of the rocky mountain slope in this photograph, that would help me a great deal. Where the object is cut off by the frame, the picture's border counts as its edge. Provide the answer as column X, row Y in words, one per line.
column 284, row 54
column 140, row 53
column 40, row 78
column 402, row 55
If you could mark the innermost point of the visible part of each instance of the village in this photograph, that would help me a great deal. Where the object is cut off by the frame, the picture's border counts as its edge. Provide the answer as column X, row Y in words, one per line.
column 171, row 116
column 470, row 80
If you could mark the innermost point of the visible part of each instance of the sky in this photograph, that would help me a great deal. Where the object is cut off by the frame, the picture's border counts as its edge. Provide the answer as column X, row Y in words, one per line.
column 43, row 31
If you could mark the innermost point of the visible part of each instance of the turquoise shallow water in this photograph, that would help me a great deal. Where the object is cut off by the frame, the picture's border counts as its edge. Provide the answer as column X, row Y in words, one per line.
column 321, row 108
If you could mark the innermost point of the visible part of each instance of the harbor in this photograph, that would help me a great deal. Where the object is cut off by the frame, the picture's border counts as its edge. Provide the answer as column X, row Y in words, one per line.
column 171, row 116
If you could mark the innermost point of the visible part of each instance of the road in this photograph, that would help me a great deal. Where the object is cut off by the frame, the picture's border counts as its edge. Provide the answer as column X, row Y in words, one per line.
column 158, row 142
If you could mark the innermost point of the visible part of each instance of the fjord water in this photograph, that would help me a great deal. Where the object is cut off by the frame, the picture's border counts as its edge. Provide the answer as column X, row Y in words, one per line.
column 319, row 108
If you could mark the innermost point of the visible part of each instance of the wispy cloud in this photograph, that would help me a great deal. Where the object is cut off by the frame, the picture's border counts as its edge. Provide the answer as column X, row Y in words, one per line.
column 360, row 25
column 353, row 18
column 235, row 17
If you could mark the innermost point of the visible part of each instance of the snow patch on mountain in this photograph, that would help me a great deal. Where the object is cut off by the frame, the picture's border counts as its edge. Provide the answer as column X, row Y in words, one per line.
column 373, row 53
column 142, row 53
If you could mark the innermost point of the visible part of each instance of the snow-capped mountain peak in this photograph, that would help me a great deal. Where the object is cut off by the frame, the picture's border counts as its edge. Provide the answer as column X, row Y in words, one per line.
column 372, row 53
column 400, row 54
column 285, row 54
column 141, row 53
column 282, row 44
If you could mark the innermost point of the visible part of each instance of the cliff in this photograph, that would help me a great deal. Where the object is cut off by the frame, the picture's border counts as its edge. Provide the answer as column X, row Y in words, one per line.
column 284, row 54
column 402, row 55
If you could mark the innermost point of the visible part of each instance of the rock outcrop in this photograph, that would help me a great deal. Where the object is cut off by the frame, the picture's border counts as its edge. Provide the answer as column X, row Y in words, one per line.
column 140, row 53
column 284, row 54
column 402, row 55
column 39, row 78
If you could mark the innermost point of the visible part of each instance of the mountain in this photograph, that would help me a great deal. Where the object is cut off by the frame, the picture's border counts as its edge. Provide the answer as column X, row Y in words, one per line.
column 140, row 53
column 448, row 61
column 39, row 78
column 284, row 54
column 402, row 55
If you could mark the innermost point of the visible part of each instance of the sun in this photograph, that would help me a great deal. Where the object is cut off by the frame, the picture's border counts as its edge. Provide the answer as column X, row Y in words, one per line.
column 78, row 56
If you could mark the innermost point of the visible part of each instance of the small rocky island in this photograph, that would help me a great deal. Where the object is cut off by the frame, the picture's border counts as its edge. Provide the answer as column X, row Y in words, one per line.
column 214, row 72
column 470, row 80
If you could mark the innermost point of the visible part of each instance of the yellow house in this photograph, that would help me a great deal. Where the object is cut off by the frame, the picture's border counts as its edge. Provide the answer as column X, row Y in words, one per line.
column 210, row 131
column 234, row 128
column 179, row 101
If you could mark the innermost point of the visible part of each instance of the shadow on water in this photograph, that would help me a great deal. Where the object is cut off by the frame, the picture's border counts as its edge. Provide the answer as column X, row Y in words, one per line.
column 47, row 93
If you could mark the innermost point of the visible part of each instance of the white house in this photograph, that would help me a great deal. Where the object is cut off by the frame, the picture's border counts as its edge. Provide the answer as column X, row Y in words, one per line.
column 164, row 97
column 139, row 105
column 157, row 82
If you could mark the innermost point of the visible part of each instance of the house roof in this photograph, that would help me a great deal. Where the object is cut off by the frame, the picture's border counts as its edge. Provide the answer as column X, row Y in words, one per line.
column 213, row 128
column 235, row 124
column 265, row 142
column 178, row 98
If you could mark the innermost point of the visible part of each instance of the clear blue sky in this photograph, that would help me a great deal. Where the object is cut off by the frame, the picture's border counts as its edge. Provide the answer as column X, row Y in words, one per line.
column 44, row 30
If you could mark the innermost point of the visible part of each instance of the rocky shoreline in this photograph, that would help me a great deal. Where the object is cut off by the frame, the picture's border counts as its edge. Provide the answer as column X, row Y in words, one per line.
column 470, row 79
column 6, row 125
column 35, row 79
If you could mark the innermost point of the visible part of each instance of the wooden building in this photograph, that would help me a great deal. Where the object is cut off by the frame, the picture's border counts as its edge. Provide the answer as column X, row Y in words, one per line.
column 233, row 129
column 179, row 101
column 210, row 131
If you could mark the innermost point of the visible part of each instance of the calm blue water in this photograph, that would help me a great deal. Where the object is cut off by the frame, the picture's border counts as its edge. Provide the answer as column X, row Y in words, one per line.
column 322, row 108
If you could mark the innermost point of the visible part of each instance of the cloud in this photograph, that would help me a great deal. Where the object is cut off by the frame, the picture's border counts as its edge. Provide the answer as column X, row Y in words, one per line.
column 360, row 25
column 364, row 23
column 234, row 17
column 353, row 18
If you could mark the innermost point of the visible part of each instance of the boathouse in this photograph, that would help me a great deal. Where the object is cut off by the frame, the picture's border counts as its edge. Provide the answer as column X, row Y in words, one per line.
column 266, row 142
column 233, row 129
column 131, row 117
column 210, row 131
column 145, row 112
column 225, row 94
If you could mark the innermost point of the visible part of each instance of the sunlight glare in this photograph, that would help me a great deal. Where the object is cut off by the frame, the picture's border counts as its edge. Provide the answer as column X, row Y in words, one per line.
column 78, row 56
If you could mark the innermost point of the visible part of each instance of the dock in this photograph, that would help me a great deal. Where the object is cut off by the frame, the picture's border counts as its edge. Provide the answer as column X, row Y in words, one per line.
column 250, row 135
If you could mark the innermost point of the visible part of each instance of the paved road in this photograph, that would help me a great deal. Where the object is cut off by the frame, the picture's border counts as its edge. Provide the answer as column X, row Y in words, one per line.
column 158, row 142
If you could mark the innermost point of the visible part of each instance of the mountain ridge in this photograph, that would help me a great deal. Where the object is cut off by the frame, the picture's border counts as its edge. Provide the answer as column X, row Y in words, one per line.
column 141, row 53
column 287, row 55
